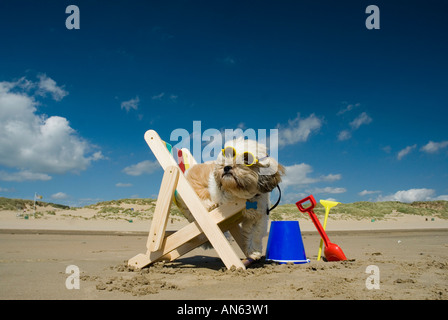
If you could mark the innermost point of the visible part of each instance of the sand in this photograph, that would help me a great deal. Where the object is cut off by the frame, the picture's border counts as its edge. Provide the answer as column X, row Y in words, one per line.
column 410, row 253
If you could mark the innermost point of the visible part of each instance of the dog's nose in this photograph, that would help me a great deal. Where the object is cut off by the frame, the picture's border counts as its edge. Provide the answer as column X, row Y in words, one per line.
column 227, row 169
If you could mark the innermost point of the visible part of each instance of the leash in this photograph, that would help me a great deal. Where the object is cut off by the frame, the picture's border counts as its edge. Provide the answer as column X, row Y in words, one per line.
column 278, row 201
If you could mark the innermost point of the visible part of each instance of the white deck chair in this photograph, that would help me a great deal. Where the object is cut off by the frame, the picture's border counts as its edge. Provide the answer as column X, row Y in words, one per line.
column 207, row 226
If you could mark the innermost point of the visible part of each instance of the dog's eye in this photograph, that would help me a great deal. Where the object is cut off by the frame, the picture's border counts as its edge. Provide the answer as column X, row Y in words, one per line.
column 248, row 158
column 229, row 152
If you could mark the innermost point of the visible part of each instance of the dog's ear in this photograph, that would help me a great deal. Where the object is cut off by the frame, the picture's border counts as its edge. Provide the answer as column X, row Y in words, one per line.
column 269, row 179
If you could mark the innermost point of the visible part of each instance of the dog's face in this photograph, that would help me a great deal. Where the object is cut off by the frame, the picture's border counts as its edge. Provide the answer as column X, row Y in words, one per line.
column 247, row 170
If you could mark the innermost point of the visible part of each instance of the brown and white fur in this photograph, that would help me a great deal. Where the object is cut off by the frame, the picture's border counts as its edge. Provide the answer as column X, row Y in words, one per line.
column 227, row 179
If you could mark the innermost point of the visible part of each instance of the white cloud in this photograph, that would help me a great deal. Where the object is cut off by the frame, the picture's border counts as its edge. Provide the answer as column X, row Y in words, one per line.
column 329, row 190
column 290, row 197
column 298, row 175
column 331, row 177
column 410, row 195
column 59, row 196
column 23, row 175
column 363, row 118
column 98, row 156
column 344, row 135
column 140, row 168
column 41, row 88
column 37, row 144
column 433, row 147
column 367, row 192
column 165, row 97
column 405, row 151
column 123, row 185
column 158, row 96
column 330, row 199
column 130, row 104
column 348, row 108
column 48, row 85
column 298, row 130
column 360, row 120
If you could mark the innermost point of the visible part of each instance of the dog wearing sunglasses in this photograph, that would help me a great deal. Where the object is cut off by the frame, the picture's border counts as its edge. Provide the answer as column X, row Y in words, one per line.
column 245, row 171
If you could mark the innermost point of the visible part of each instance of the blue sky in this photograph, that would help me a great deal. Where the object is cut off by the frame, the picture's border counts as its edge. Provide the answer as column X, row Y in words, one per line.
column 361, row 113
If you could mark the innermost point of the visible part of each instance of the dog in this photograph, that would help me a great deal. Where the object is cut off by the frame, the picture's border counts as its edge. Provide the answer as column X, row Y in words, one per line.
column 243, row 170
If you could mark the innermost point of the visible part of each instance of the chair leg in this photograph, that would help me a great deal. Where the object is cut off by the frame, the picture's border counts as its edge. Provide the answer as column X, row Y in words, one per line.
column 162, row 209
column 139, row 261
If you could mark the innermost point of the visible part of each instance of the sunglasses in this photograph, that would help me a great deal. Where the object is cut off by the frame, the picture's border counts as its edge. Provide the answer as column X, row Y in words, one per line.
column 248, row 158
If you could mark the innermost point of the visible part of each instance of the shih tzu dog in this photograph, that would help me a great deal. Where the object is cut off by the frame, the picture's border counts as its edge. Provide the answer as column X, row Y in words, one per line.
column 245, row 171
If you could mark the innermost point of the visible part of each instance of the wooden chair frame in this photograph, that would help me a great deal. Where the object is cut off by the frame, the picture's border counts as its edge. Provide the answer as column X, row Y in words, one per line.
column 207, row 226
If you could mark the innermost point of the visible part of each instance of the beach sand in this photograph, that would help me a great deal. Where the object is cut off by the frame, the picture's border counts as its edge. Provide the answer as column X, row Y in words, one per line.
column 410, row 253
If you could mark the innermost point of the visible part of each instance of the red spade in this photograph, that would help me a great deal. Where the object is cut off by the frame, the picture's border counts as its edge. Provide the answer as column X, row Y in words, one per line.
column 332, row 251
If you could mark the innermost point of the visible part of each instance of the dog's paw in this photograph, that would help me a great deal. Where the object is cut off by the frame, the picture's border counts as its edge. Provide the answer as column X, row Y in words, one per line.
column 255, row 255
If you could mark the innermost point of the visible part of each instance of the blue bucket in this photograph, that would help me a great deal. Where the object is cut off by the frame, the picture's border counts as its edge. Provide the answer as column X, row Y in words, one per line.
column 285, row 243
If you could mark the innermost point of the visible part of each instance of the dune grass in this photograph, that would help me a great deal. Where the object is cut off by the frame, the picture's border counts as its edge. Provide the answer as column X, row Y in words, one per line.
column 123, row 209
column 368, row 210
column 20, row 204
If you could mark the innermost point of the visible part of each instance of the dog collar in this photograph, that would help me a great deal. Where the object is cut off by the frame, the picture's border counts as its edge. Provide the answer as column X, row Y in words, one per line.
column 254, row 204
column 251, row 205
